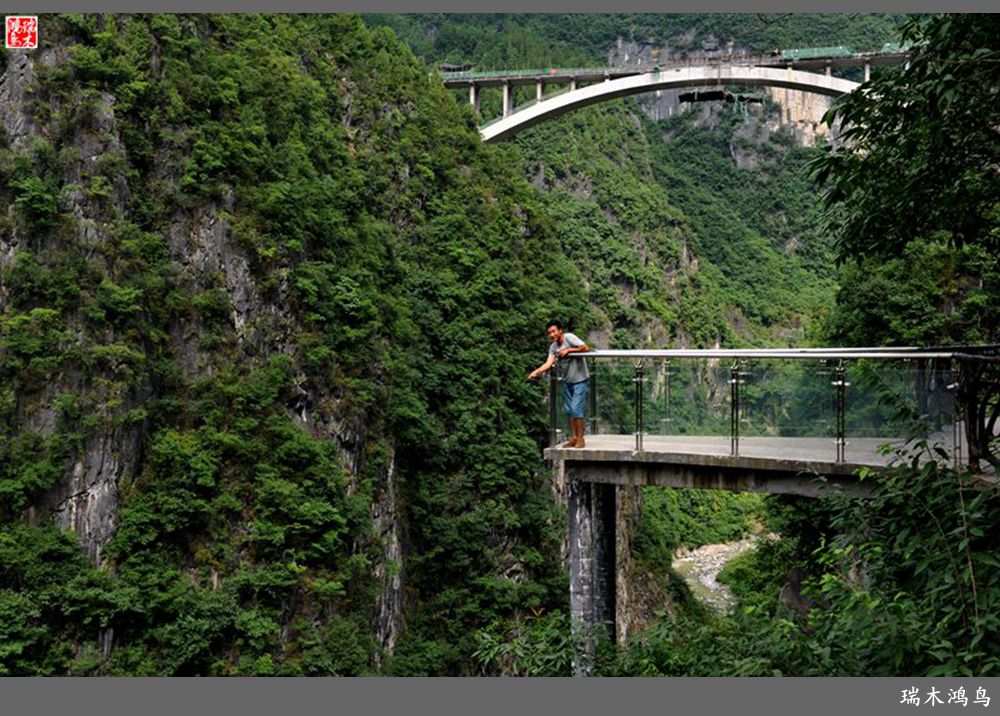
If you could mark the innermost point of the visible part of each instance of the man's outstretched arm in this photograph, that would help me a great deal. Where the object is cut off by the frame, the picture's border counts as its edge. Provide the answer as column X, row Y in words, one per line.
column 551, row 361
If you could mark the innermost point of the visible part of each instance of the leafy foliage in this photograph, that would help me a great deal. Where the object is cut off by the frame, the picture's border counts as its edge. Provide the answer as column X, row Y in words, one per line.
column 692, row 518
column 410, row 270
column 491, row 40
column 920, row 144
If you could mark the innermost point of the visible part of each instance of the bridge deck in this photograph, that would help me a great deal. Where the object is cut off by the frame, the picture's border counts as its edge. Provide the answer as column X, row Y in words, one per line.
column 764, row 464
column 496, row 78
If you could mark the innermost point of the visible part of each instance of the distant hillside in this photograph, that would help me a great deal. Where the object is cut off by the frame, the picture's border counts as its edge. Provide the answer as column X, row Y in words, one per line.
column 494, row 39
column 698, row 230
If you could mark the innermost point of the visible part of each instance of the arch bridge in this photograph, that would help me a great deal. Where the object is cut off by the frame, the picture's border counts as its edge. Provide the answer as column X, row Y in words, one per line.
column 588, row 86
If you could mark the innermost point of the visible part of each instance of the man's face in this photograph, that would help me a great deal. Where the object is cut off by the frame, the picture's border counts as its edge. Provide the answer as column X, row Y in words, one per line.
column 555, row 335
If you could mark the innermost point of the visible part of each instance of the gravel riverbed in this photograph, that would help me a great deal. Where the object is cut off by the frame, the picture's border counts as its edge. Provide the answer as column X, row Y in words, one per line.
column 699, row 567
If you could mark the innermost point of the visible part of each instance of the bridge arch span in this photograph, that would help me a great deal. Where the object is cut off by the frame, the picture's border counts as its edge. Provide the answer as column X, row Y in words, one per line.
column 715, row 76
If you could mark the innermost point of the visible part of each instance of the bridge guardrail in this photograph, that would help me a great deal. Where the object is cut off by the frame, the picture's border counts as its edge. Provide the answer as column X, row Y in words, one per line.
column 847, row 396
column 789, row 58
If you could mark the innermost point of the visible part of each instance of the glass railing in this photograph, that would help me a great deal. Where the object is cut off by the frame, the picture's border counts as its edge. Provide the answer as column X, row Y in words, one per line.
column 834, row 405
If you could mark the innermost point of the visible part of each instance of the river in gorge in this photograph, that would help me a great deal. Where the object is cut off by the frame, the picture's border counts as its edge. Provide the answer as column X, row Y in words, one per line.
column 699, row 567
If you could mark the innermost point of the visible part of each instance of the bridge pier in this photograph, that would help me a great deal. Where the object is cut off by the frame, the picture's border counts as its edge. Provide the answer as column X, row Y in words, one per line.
column 868, row 71
column 508, row 99
column 474, row 96
column 539, row 90
column 592, row 570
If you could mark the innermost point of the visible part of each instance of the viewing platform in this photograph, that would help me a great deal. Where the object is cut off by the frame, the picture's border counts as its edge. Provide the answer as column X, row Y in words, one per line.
column 789, row 421
column 782, row 421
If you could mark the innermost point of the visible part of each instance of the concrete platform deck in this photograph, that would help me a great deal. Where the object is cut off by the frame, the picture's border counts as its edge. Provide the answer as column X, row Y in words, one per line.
column 803, row 466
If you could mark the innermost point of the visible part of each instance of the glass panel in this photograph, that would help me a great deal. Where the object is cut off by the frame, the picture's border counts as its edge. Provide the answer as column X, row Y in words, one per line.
column 788, row 398
column 613, row 388
column 885, row 402
column 557, row 413
column 906, row 402
column 686, row 397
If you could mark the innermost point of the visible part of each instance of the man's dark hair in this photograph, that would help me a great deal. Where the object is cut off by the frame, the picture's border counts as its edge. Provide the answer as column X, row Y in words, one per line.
column 555, row 323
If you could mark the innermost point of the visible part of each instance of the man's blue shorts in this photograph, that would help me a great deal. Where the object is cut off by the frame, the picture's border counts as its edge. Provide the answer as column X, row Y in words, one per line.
column 575, row 398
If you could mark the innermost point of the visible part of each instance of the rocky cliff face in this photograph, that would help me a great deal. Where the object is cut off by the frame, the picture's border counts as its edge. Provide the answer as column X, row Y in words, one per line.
column 803, row 113
column 85, row 501
column 253, row 273
column 108, row 456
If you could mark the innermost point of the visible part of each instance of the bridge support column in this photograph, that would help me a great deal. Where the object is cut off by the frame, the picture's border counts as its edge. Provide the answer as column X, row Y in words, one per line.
column 474, row 96
column 572, row 85
column 592, row 508
column 508, row 99
column 539, row 90
column 868, row 71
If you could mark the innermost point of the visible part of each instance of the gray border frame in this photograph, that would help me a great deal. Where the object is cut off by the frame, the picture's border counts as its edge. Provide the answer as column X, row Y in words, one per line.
column 508, row 6
column 485, row 696
column 775, row 697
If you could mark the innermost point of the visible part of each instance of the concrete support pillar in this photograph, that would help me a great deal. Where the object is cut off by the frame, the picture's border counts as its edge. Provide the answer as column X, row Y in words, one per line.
column 829, row 69
column 474, row 96
column 592, row 508
column 508, row 99
column 572, row 84
column 868, row 71
column 539, row 90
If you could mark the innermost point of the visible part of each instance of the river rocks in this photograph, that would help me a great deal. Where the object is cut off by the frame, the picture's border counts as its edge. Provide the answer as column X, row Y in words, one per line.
column 701, row 566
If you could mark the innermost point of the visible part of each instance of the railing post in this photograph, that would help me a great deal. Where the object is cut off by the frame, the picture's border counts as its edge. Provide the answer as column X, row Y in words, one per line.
column 638, row 380
column 593, row 398
column 970, row 392
column 553, row 410
column 665, row 367
column 734, row 409
column 958, row 414
column 840, row 383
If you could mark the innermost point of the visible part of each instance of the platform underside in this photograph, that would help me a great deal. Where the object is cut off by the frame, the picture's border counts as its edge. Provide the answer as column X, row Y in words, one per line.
column 802, row 466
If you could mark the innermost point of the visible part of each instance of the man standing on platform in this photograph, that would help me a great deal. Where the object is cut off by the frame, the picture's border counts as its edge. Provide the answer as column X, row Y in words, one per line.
column 564, row 352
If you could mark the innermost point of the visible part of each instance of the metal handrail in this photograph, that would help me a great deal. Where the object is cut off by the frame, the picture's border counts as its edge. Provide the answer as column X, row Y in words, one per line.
column 889, row 353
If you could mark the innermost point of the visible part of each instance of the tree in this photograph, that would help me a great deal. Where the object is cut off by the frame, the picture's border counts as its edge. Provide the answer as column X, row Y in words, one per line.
column 920, row 151
column 917, row 175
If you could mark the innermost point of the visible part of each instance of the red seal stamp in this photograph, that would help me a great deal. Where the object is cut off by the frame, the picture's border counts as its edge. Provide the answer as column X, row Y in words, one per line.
column 22, row 32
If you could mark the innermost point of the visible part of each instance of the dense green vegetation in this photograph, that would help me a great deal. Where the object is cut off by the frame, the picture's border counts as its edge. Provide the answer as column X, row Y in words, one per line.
column 575, row 40
column 397, row 251
column 759, row 226
column 692, row 518
column 907, row 581
column 903, row 583
column 926, row 151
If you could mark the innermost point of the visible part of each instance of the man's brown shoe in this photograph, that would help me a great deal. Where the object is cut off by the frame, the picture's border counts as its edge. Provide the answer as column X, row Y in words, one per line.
column 579, row 426
column 571, row 443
